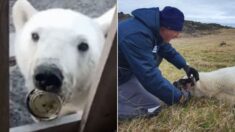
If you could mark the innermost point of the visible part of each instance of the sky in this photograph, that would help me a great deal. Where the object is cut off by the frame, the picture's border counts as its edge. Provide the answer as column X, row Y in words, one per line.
column 206, row 11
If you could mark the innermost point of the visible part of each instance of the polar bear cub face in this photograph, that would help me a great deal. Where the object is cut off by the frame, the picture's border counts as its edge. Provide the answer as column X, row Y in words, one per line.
column 188, row 84
column 57, row 50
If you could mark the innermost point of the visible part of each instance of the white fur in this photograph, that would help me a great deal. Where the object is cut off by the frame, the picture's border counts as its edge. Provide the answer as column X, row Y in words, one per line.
column 60, row 32
column 219, row 84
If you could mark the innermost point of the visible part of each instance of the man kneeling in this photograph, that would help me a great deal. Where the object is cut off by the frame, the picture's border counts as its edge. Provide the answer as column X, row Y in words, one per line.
column 143, row 41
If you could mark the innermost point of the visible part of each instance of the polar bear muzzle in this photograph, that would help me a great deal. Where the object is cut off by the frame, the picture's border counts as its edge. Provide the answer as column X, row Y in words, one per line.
column 48, row 78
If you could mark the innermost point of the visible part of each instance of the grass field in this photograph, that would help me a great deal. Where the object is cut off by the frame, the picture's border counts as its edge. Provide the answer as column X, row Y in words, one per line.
column 200, row 114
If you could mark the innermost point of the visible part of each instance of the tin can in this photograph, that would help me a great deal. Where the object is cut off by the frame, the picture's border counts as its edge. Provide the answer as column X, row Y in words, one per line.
column 44, row 105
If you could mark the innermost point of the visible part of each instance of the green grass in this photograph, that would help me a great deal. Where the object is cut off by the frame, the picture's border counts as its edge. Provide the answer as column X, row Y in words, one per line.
column 200, row 114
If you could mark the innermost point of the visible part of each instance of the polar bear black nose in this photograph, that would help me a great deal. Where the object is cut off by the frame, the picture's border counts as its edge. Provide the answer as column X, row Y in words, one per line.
column 48, row 78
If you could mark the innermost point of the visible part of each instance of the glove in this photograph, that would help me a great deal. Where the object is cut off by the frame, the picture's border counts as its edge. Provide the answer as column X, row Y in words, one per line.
column 191, row 71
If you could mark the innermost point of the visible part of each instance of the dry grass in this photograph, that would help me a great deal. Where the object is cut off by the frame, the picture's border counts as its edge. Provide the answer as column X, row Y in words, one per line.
column 201, row 114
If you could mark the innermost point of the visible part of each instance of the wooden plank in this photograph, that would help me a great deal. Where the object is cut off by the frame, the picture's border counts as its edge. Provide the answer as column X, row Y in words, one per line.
column 4, row 68
column 69, row 123
column 100, row 114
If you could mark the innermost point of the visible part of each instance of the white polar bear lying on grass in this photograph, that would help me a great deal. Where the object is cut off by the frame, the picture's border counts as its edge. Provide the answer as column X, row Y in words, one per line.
column 219, row 84
column 57, row 50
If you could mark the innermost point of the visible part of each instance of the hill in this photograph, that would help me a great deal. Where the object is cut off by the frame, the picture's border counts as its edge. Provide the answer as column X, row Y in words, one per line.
column 191, row 28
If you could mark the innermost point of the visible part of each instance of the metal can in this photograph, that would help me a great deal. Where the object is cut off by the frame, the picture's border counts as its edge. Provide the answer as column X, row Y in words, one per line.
column 44, row 105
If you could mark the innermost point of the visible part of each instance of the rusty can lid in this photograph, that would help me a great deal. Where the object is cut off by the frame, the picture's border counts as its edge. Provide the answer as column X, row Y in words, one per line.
column 43, row 105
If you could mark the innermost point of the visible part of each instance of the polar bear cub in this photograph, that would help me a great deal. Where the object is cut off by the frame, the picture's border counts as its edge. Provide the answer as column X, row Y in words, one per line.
column 57, row 50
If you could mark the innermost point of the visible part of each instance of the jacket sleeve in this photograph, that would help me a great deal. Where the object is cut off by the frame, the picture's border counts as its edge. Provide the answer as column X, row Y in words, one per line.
column 171, row 55
column 137, row 49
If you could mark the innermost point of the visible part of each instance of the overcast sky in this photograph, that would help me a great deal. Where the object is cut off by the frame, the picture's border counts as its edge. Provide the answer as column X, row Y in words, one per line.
column 208, row 11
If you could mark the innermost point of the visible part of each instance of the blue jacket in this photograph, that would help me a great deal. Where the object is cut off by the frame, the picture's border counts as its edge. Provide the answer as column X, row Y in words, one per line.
column 139, row 43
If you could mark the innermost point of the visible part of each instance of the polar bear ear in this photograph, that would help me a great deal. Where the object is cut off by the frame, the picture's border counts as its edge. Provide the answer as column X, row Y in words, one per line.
column 22, row 12
column 105, row 20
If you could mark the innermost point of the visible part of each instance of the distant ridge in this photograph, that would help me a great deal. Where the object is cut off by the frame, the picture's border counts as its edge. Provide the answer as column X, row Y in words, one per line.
column 191, row 28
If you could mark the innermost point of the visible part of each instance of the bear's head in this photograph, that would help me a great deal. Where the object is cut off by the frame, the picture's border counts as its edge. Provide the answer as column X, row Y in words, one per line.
column 189, row 84
column 57, row 50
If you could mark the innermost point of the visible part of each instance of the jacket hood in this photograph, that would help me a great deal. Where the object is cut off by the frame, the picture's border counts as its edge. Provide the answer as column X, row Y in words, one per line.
column 149, row 17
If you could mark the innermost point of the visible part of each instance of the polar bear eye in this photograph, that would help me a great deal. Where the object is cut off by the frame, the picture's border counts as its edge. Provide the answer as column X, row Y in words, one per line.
column 83, row 46
column 35, row 37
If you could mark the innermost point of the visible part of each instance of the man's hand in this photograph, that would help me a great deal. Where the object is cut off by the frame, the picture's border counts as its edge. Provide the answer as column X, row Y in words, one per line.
column 191, row 71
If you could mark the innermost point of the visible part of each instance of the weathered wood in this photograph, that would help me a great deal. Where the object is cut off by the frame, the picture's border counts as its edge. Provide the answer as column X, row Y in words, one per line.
column 69, row 123
column 100, row 115
column 4, row 74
